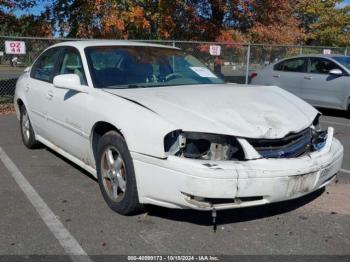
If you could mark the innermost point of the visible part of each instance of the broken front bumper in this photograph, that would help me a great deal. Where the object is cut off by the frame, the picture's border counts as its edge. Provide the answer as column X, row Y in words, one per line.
column 187, row 183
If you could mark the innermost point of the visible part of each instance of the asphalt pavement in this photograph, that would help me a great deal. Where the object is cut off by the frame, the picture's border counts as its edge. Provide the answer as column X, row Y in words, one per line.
column 318, row 224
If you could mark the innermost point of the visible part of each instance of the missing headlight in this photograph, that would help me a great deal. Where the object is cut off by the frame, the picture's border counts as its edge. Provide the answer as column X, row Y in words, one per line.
column 319, row 139
column 203, row 146
column 316, row 123
column 319, row 136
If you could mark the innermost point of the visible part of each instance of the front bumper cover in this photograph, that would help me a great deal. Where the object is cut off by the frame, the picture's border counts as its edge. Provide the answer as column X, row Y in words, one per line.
column 187, row 183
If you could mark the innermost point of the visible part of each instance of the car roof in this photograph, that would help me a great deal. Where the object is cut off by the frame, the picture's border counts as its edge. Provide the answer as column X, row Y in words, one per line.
column 87, row 43
column 306, row 56
column 316, row 55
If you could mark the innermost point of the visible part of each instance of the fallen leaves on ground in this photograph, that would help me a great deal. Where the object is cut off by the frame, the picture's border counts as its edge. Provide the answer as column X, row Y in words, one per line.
column 7, row 109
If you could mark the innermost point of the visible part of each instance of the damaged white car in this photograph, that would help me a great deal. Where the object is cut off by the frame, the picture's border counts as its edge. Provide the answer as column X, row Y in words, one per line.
column 155, row 126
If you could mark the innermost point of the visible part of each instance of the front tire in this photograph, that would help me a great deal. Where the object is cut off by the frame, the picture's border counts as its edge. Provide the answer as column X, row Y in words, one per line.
column 27, row 132
column 116, row 175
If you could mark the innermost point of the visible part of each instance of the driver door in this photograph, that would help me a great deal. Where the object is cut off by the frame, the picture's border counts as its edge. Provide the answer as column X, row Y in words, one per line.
column 320, row 88
column 67, row 109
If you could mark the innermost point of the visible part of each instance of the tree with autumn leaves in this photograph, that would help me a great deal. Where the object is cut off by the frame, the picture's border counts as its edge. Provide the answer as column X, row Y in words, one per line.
column 26, row 25
column 321, row 22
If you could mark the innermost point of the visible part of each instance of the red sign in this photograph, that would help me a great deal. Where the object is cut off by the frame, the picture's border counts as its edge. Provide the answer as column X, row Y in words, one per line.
column 215, row 50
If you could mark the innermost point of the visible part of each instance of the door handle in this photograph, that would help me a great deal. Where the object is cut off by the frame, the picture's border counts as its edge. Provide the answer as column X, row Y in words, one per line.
column 276, row 76
column 49, row 95
column 308, row 77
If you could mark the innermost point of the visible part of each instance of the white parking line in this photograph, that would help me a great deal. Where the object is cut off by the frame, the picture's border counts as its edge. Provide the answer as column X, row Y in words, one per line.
column 67, row 241
column 345, row 171
column 335, row 123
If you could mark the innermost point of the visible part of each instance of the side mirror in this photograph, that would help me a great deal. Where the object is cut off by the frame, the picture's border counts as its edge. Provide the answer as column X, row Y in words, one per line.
column 336, row 72
column 70, row 82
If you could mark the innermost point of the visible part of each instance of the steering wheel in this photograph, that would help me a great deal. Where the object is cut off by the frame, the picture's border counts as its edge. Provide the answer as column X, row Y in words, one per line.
column 173, row 76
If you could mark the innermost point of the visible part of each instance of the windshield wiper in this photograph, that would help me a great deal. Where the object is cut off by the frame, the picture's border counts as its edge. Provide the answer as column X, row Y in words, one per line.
column 125, row 86
column 135, row 86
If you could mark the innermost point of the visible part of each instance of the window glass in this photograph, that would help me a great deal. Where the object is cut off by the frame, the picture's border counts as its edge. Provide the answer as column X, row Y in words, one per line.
column 44, row 67
column 71, row 64
column 321, row 65
column 143, row 66
column 104, row 60
column 292, row 65
column 344, row 60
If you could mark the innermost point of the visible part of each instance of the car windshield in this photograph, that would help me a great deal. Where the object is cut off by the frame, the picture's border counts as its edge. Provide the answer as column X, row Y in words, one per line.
column 344, row 60
column 142, row 66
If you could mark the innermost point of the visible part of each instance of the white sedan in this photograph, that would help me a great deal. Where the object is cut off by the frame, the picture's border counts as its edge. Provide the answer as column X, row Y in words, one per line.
column 155, row 126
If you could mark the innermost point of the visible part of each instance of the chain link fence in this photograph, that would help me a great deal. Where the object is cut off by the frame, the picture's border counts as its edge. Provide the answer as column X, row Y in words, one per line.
column 235, row 63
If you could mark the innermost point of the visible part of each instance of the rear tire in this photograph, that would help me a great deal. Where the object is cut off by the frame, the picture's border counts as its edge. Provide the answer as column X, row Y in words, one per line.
column 116, row 175
column 27, row 132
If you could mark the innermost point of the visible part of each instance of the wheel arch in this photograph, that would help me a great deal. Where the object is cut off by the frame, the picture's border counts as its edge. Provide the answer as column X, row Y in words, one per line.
column 98, row 130
column 19, row 103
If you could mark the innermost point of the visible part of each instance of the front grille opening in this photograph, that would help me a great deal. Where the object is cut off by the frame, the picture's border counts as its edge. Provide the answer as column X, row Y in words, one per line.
column 293, row 145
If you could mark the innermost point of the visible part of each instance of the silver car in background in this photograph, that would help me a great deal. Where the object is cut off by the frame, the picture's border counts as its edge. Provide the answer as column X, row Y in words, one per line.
column 321, row 80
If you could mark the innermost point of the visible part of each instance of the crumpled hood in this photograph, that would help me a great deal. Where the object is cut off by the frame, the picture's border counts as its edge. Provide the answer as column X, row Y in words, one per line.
column 239, row 110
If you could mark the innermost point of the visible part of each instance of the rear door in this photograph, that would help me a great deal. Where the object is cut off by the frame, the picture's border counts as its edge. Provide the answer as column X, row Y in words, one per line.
column 288, row 74
column 322, row 89
column 38, row 89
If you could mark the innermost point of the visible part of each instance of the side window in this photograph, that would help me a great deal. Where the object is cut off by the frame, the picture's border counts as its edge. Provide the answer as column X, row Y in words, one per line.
column 44, row 67
column 321, row 65
column 71, row 64
column 292, row 65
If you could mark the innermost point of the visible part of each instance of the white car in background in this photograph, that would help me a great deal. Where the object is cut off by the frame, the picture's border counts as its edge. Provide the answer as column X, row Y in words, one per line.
column 321, row 80
column 155, row 126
